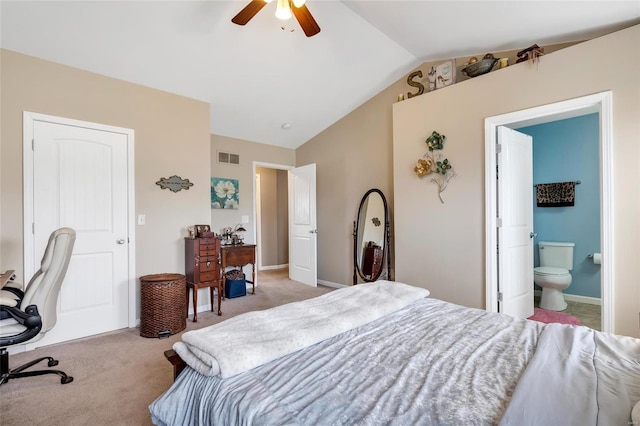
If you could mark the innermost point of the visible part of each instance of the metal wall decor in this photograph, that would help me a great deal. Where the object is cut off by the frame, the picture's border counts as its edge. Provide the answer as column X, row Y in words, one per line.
column 174, row 183
column 433, row 163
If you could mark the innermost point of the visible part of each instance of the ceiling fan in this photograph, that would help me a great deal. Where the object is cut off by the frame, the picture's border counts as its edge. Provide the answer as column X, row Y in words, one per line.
column 284, row 10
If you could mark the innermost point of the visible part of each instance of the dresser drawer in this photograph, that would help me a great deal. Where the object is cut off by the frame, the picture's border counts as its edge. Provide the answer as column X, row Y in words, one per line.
column 239, row 256
column 211, row 252
column 207, row 241
column 208, row 264
column 210, row 276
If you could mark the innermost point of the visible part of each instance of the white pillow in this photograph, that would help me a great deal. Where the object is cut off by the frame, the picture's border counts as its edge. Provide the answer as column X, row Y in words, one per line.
column 635, row 414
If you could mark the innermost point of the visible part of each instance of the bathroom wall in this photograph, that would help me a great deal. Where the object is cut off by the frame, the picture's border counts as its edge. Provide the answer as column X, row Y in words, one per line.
column 568, row 150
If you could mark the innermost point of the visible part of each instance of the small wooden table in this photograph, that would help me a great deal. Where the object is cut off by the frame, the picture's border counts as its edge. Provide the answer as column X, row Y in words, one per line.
column 238, row 256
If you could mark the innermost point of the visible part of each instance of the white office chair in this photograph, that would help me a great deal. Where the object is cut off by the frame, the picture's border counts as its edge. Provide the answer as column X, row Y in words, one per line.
column 35, row 314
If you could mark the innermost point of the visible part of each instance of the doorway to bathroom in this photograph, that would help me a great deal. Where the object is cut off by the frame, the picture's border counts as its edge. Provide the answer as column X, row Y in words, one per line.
column 566, row 153
column 592, row 112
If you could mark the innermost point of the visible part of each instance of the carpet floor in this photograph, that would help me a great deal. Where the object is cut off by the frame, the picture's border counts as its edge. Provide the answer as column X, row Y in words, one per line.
column 118, row 374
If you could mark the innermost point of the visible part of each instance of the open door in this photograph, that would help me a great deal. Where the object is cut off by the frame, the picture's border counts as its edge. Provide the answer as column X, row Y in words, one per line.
column 515, row 223
column 303, row 263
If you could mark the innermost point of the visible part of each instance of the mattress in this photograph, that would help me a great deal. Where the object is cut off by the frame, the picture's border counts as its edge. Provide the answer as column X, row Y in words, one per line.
column 414, row 361
column 431, row 362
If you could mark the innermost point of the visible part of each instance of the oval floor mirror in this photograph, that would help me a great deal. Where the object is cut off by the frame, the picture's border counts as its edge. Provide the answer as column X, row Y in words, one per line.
column 371, row 238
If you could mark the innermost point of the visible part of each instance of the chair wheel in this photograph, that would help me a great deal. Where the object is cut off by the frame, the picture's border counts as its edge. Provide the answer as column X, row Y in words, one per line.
column 53, row 363
column 65, row 380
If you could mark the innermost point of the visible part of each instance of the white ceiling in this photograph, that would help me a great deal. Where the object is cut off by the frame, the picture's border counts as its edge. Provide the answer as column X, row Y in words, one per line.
column 258, row 77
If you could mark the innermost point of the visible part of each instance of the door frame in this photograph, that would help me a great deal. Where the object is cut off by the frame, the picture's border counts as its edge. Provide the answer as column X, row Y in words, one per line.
column 599, row 102
column 28, row 119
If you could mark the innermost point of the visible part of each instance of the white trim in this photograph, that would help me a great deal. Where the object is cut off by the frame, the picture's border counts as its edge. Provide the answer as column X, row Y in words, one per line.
column 332, row 284
column 576, row 298
column 28, row 119
column 258, row 222
column 599, row 102
column 271, row 267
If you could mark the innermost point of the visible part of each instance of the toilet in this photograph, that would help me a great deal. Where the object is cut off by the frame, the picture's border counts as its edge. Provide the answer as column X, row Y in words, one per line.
column 556, row 260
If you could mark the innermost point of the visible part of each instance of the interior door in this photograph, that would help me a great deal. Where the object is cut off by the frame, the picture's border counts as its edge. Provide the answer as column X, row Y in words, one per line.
column 80, row 180
column 515, row 230
column 303, row 263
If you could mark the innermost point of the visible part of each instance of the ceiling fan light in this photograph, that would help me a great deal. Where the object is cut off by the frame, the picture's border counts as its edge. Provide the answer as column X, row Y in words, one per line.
column 298, row 3
column 268, row 1
column 283, row 11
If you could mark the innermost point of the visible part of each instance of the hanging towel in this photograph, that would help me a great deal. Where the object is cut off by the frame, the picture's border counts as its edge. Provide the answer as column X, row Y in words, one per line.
column 560, row 194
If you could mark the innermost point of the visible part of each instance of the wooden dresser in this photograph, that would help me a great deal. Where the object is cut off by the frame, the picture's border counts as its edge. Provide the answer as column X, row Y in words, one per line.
column 202, row 269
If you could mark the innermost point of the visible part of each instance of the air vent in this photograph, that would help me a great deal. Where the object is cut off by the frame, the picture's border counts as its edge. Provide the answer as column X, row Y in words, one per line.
column 225, row 157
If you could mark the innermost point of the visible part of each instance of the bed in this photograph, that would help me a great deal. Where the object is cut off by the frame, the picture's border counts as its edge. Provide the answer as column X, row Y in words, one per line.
column 385, row 353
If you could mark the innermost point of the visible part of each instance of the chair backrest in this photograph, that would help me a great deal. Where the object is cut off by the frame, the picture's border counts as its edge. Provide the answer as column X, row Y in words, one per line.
column 44, row 287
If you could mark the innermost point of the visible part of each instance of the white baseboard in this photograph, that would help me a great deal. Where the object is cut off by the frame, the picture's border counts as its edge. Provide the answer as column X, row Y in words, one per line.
column 269, row 267
column 331, row 284
column 576, row 298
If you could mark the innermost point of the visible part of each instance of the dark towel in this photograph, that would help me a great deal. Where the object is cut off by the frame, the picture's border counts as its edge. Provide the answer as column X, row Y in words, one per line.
column 561, row 194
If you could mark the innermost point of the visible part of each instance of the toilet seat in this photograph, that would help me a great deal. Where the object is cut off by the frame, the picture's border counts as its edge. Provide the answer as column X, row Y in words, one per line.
column 548, row 270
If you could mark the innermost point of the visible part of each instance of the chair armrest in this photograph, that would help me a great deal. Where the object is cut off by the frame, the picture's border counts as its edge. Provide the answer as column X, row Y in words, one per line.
column 29, row 318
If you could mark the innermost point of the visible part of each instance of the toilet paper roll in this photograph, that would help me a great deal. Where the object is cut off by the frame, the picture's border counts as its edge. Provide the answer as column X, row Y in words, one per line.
column 597, row 258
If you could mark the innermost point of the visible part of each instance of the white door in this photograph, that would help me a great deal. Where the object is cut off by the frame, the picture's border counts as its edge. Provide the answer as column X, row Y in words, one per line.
column 80, row 180
column 302, row 225
column 515, row 224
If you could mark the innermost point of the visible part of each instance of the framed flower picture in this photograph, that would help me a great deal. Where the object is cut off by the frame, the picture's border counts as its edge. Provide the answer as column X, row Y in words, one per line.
column 225, row 193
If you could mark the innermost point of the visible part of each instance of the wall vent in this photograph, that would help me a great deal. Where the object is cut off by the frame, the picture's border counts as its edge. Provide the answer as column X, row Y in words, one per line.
column 225, row 157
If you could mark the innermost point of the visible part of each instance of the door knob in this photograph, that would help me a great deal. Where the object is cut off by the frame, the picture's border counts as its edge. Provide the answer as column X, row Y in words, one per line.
column 533, row 235
column 313, row 231
column 120, row 241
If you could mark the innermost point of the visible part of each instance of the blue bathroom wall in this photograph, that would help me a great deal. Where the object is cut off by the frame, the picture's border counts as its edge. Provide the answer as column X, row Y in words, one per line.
column 568, row 150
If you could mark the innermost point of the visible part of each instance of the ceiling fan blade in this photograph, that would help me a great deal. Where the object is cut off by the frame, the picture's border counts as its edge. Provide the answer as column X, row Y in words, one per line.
column 306, row 21
column 248, row 12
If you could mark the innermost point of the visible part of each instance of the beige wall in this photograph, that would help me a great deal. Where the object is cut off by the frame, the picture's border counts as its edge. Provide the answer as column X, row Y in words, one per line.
column 249, row 152
column 441, row 246
column 282, row 188
column 353, row 156
column 171, row 137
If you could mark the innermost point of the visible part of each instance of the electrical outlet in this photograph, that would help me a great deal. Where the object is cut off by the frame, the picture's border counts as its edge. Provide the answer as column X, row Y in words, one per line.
column 245, row 218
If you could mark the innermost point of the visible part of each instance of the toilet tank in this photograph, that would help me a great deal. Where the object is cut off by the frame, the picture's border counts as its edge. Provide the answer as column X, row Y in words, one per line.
column 556, row 254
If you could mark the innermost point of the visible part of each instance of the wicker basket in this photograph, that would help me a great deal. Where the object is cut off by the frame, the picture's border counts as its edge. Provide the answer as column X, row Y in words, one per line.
column 163, row 305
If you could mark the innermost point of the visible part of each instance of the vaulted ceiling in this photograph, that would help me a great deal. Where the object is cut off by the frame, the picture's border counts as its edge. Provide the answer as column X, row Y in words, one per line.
column 267, row 73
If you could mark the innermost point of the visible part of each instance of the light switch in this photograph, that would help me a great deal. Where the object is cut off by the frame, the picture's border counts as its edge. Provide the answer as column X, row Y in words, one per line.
column 245, row 218
column 141, row 219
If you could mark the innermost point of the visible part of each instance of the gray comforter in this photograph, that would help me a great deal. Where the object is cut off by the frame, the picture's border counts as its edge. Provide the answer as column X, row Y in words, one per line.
column 431, row 363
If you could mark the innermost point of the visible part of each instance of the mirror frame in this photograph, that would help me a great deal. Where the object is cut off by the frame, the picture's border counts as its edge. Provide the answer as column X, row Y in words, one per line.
column 386, row 261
